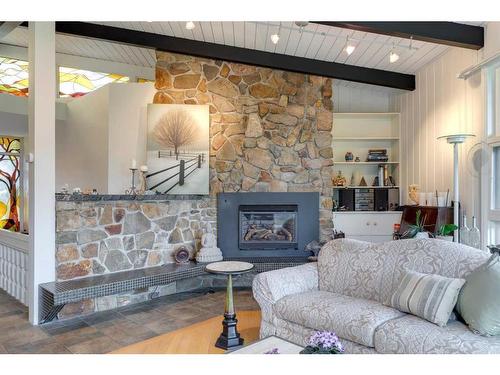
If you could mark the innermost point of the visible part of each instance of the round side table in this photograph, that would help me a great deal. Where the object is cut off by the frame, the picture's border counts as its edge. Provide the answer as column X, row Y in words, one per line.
column 229, row 338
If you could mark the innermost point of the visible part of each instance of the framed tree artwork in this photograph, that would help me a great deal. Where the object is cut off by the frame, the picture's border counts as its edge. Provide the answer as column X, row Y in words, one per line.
column 177, row 149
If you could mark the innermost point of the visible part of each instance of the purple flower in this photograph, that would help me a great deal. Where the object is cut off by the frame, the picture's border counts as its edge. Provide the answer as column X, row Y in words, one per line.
column 326, row 340
column 272, row 351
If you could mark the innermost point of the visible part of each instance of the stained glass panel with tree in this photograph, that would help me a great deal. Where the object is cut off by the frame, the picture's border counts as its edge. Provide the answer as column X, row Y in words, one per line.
column 10, row 173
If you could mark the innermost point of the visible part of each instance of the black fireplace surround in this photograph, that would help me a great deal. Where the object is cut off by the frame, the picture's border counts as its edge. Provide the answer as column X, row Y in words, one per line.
column 263, row 226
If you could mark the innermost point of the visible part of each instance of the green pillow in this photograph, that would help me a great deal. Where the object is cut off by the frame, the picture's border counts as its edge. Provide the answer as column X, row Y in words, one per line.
column 479, row 299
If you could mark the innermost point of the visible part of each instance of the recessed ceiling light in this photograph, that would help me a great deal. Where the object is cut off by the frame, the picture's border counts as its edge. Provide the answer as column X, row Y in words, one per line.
column 349, row 46
column 275, row 38
column 393, row 57
column 190, row 25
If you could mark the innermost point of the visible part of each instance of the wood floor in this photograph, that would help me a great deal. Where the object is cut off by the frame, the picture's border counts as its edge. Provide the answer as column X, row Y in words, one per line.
column 198, row 338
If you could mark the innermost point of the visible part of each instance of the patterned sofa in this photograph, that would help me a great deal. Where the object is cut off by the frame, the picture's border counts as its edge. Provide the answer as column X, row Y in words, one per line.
column 346, row 292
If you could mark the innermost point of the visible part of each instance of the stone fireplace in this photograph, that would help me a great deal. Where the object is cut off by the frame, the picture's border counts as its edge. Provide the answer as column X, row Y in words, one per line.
column 270, row 133
column 265, row 226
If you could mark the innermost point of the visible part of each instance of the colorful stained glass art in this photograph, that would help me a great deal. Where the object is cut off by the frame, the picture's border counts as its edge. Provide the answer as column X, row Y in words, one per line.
column 77, row 82
column 13, row 76
column 10, row 173
column 73, row 82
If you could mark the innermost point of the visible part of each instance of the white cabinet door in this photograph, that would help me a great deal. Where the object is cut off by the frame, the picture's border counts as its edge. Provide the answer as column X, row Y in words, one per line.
column 376, row 225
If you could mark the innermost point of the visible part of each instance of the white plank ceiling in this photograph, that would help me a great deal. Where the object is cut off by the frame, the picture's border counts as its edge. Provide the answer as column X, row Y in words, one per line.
column 314, row 41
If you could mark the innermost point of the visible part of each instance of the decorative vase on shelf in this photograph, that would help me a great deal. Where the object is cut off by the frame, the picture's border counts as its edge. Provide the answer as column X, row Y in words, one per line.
column 474, row 235
column 356, row 178
column 464, row 231
column 349, row 156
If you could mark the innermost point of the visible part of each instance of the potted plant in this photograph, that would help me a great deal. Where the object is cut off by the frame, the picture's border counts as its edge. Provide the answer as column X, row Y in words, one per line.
column 323, row 342
column 417, row 230
column 445, row 232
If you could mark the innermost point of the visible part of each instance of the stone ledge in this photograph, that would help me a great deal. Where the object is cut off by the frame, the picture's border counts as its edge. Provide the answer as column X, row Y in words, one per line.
column 123, row 197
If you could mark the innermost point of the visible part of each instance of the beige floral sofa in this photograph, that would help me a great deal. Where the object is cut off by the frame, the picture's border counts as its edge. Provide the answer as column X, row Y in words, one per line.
column 346, row 292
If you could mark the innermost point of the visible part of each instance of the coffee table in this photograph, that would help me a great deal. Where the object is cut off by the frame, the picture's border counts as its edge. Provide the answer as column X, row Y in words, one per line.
column 229, row 338
column 269, row 344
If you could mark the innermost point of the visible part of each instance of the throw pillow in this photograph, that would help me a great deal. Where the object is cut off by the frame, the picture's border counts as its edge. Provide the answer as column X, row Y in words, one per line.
column 479, row 300
column 431, row 297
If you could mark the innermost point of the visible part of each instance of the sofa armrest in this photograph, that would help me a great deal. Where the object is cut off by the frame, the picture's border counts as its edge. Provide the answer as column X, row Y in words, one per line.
column 271, row 286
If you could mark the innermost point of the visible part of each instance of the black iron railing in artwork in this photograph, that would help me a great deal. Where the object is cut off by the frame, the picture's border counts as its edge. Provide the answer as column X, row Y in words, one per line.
column 185, row 168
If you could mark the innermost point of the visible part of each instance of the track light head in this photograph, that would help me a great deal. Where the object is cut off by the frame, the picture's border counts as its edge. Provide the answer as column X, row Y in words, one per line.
column 275, row 38
column 393, row 57
column 350, row 49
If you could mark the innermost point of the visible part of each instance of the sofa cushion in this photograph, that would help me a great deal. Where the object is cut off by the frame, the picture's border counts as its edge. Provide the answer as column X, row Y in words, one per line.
column 373, row 271
column 412, row 335
column 478, row 303
column 431, row 297
column 350, row 318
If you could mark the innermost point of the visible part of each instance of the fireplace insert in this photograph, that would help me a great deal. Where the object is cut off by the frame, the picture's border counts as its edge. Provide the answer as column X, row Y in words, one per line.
column 268, row 227
column 260, row 226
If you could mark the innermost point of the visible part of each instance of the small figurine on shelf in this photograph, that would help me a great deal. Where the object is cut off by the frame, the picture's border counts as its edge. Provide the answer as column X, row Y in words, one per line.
column 65, row 189
column 357, row 160
column 339, row 180
column 77, row 190
column 413, row 193
column 349, row 156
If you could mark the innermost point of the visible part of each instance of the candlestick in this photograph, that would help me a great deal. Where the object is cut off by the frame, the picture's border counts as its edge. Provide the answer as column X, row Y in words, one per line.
column 134, row 164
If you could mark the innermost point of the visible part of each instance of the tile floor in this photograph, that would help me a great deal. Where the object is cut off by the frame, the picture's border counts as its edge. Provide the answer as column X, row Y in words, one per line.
column 106, row 331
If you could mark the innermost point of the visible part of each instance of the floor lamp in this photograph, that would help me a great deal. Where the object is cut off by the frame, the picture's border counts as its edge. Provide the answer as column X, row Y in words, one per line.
column 455, row 140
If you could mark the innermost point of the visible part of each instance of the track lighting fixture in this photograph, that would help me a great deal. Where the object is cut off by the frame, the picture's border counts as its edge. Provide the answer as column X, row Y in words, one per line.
column 349, row 46
column 393, row 56
column 190, row 25
column 275, row 38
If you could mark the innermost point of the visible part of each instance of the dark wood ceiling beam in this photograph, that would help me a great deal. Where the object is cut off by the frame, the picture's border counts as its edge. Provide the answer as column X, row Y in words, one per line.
column 239, row 55
column 447, row 33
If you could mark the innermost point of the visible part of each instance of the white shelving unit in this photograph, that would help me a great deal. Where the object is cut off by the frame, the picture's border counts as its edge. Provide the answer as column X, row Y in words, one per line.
column 359, row 132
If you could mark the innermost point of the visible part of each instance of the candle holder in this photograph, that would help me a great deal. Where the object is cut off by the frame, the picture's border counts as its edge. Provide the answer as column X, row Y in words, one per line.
column 133, row 189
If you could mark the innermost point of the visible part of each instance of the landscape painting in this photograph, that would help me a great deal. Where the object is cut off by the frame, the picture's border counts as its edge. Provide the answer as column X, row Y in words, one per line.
column 177, row 149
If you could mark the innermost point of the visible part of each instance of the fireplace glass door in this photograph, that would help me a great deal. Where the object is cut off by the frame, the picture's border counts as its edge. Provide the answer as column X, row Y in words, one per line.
column 268, row 227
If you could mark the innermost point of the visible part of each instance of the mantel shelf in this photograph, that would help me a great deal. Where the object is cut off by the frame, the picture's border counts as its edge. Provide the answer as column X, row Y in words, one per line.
column 365, row 187
column 364, row 162
column 365, row 139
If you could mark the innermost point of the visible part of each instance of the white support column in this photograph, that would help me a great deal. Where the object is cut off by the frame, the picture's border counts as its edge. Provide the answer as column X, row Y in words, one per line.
column 41, row 138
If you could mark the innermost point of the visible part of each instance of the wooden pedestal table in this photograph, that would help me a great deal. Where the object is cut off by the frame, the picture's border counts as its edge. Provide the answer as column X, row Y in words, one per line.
column 229, row 338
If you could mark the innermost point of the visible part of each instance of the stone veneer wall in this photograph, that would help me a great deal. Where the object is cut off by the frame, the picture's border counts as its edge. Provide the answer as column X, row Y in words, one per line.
column 270, row 130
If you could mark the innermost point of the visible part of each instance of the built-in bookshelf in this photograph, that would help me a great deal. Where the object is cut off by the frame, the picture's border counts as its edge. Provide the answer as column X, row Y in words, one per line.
column 360, row 132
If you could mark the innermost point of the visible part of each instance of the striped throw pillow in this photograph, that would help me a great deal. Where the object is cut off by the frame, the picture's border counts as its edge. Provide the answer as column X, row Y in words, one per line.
column 431, row 297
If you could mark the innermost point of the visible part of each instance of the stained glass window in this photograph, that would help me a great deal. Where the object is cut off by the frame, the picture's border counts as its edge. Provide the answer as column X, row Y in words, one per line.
column 77, row 82
column 10, row 176
column 13, row 76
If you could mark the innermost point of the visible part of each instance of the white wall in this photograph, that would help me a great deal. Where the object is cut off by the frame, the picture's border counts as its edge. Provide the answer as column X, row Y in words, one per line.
column 361, row 98
column 443, row 104
column 103, row 132
column 127, row 131
column 82, row 143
